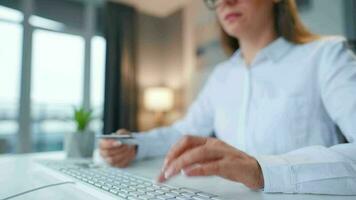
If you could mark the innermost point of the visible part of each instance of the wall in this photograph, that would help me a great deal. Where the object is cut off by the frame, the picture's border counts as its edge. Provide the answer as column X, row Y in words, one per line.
column 325, row 17
column 160, row 60
column 207, row 52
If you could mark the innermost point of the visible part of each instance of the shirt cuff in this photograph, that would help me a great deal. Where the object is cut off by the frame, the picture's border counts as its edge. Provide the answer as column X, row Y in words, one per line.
column 277, row 174
column 142, row 145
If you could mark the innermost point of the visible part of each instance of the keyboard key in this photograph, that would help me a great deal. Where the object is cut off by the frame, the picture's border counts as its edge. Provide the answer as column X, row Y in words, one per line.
column 122, row 195
column 132, row 198
column 163, row 197
column 204, row 194
column 157, row 192
column 182, row 198
column 200, row 198
column 149, row 196
column 114, row 191
column 187, row 194
column 172, row 194
column 138, row 193
column 106, row 188
column 189, row 190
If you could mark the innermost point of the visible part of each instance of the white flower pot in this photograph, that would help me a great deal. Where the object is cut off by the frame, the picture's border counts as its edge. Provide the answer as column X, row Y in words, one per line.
column 79, row 144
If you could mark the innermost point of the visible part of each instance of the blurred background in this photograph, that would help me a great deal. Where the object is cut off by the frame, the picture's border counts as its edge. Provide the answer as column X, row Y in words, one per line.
column 137, row 64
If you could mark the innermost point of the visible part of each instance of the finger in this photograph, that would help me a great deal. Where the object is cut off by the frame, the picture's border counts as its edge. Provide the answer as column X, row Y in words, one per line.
column 116, row 157
column 124, row 162
column 108, row 144
column 122, row 132
column 161, row 178
column 112, row 151
column 197, row 155
column 186, row 143
column 205, row 169
column 120, row 163
column 119, row 156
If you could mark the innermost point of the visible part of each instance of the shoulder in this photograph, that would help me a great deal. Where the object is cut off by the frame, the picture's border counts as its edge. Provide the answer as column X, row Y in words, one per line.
column 335, row 56
column 330, row 40
column 325, row 44
column 334, row 48
column 324, row 50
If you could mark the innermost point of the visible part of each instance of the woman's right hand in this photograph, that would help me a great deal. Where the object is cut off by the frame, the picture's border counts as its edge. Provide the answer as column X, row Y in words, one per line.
column 116, row 153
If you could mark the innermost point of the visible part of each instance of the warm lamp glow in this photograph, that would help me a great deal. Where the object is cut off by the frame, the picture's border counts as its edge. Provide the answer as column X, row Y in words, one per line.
column 158, row 99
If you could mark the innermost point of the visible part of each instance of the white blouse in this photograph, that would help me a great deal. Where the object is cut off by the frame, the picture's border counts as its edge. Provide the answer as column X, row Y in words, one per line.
column 293, row 108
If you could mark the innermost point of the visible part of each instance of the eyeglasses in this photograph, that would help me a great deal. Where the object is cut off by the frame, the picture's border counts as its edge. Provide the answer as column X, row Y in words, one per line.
column 212, row 4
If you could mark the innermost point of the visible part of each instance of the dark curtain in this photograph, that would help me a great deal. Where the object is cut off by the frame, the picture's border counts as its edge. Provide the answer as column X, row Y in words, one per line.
column 350, row 16
column 120, row 106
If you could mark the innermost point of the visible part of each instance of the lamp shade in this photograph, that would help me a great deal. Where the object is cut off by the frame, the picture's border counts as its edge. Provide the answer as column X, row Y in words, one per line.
column 158, row 99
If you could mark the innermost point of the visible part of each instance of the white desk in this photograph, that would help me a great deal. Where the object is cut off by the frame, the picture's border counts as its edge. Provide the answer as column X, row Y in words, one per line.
column 18, row 173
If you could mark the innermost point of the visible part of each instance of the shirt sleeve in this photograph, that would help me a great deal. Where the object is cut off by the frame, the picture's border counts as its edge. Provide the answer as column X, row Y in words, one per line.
column 318, row 169
column 198, row 121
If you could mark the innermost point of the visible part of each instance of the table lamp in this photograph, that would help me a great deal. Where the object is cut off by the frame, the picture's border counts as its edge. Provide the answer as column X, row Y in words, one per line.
column 159, row 100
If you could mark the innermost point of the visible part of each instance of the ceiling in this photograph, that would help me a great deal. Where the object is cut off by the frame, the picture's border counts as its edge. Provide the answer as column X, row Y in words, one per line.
column 159, row 8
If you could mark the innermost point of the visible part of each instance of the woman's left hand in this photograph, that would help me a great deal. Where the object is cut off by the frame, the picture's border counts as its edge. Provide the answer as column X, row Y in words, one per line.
column 200, row 156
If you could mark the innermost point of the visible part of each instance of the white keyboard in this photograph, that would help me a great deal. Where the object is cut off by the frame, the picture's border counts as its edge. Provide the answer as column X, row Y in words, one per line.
column 122, row 184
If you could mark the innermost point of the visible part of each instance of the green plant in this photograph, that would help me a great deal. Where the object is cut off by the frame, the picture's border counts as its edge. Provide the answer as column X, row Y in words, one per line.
column 82, row 117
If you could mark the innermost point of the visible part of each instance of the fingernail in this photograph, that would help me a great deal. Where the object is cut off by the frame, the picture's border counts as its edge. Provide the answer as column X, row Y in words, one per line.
column 183, row 172
column 160, row 180
column 117, row 144
column 168, row 173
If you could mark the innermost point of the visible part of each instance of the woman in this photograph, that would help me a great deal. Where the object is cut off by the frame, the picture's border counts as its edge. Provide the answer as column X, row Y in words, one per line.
column 283, row 108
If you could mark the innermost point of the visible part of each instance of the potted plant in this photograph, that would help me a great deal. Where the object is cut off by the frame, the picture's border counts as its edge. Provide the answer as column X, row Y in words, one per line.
column 80, row 144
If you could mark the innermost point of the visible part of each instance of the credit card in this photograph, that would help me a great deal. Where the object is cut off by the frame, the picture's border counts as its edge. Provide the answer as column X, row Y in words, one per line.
column 124, row 139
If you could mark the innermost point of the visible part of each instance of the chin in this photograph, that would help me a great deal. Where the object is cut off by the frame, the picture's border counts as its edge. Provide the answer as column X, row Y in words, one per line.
column 233, row 30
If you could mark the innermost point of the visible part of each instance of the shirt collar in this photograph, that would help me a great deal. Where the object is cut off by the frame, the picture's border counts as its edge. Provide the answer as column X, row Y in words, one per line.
column 274, row 51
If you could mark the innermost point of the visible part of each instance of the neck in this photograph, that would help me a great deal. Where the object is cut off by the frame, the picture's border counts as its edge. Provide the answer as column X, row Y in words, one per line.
column 251, row 44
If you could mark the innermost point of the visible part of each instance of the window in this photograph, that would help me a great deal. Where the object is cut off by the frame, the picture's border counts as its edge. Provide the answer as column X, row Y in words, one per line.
column 10, row 15
column 57, row 85
column 97, row 81
column 57, row 29
column 10, row 62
